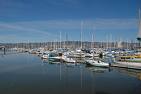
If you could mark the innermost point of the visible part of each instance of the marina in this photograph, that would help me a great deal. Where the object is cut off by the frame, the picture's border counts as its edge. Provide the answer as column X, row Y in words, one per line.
column 70, row 47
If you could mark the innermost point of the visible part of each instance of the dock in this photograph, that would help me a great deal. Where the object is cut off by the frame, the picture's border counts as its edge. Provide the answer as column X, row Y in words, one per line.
column 128, row 65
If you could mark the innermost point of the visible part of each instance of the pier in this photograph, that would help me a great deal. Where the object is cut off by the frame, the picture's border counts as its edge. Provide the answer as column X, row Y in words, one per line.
column 128, row 65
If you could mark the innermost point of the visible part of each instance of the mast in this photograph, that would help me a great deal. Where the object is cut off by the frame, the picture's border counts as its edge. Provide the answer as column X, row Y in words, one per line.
column 139, row 25
column 60, row 39
column 139, row 19
column 111, row 41
column 54, row 45
column 139, row 32
column 92, row 41
column 66, row 40
column 93, row 38
column 81, row 33
column 107, row 43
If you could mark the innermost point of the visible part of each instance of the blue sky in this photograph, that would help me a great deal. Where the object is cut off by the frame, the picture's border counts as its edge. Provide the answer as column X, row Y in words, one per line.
column 42, row 20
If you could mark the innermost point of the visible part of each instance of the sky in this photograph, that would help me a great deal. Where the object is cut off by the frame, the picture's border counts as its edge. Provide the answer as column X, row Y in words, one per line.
column 43, row 20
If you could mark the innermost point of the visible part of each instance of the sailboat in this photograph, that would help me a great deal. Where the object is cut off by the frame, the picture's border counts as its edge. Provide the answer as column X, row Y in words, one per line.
column 97, row 63
column 94, row 62
column 68, row 59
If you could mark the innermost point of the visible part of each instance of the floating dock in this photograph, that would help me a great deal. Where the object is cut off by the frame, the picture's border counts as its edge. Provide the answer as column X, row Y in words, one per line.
column 129, row 65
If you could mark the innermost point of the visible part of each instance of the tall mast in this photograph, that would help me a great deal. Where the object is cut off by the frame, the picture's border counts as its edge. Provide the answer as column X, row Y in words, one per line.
column 139, row 32
column 139, row 23
column 107, row 43
column 54, row 45
column 110, row 40
column 66, row 43
column 60, row 39
column 92, row 41
column 81, row 33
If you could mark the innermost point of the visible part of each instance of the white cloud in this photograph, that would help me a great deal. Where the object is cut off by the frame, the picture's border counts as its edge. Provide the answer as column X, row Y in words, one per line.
column 25, row 28
column 46, row 27
column 50, row 29
column 115, row 23
column 75, row 24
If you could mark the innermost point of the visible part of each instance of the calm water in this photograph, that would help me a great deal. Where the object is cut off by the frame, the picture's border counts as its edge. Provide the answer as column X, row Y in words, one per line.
column 28, row 74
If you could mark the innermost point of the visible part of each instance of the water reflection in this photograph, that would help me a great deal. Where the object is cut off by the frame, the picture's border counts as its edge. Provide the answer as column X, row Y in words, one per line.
column 98, row 69
column 67, row 69
column 131, row 72
column 36, row 76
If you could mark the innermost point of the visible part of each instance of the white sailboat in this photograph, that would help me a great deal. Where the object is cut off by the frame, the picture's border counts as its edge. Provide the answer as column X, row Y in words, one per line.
column 68, row 59
column 97, row 63
column 44, row 56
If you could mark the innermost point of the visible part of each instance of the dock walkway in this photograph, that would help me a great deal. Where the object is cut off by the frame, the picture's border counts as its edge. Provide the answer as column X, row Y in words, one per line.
column 130, row 65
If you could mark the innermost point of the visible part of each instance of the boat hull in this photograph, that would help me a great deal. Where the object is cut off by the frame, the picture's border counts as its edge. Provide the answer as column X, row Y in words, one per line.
column 97, row 63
